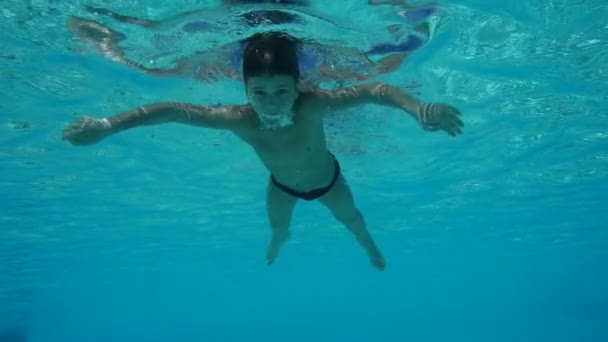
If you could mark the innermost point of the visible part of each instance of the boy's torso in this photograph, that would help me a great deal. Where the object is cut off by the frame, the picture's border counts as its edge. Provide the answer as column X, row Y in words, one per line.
column 296, row 155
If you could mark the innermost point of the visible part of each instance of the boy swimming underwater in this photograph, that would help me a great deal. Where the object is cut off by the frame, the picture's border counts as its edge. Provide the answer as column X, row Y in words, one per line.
column 285, row 128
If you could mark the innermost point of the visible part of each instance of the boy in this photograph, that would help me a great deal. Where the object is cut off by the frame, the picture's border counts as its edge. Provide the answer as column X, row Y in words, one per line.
column 285, row 128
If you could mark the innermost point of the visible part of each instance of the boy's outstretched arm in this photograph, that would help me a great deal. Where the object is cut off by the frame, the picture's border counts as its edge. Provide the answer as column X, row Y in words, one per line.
column 432, row 116
column 88, row 130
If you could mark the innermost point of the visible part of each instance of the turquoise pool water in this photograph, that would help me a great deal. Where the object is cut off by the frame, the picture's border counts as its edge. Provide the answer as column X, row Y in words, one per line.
column 159, row 234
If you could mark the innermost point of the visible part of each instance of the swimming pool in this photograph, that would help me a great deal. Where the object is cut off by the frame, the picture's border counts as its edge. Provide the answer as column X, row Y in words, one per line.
column 160, row 233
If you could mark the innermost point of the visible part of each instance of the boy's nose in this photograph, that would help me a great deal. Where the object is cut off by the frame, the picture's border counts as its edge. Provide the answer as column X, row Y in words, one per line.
column 273, row 103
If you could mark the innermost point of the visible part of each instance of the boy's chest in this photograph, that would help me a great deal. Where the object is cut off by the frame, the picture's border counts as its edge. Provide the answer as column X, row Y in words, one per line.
column 302, row 135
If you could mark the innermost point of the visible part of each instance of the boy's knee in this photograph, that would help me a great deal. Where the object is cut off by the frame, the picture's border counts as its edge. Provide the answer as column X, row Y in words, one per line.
column 279, row 222
column 279, row 216
column 347, row 215
column 279, row 225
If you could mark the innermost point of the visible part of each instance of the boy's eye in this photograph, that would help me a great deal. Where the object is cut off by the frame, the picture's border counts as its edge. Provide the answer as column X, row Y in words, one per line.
column 258, row 92
column 282, row 91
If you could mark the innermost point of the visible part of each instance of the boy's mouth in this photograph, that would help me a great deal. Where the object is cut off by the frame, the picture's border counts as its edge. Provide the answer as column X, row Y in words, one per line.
column 276, row 120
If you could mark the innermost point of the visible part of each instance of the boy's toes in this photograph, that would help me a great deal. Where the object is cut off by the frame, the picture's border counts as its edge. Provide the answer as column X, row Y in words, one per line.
column 271, row 255
column 379, row 263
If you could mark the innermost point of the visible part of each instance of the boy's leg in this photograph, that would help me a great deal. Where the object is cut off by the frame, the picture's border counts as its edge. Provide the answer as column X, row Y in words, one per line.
column 341, row 203
column 279, row 206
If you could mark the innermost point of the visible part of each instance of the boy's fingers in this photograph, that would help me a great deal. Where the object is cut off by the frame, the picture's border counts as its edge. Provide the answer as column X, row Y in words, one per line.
column 457, row 122
column 454, row 130
column 452, row 120
column 454, row 110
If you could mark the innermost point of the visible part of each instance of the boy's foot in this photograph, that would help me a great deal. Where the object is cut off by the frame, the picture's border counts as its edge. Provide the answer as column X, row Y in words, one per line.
column 275, row 245
column 375, row 257
column 378, row 261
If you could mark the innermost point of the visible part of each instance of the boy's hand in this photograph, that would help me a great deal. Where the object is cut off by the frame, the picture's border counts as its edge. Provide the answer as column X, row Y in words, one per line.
column 86, row 130
column 438, row 116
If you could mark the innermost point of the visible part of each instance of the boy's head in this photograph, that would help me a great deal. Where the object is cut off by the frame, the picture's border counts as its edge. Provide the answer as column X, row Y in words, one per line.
column 272, row 53
column 271, row 73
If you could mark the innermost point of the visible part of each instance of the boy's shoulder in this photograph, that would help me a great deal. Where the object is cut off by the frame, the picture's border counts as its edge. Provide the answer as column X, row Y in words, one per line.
column 244, row 112
column 240, row 116
column 315, row 98
column 313, row 95
column 308, row 100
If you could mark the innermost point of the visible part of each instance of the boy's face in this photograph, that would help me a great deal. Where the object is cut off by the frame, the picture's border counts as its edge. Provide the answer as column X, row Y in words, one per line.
column 272, row 96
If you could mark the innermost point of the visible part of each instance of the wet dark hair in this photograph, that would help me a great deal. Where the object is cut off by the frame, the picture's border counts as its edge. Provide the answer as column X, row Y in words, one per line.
column 273, row 53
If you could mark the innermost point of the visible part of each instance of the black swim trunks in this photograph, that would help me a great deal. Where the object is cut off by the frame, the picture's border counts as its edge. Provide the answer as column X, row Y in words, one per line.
column 313, row 194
